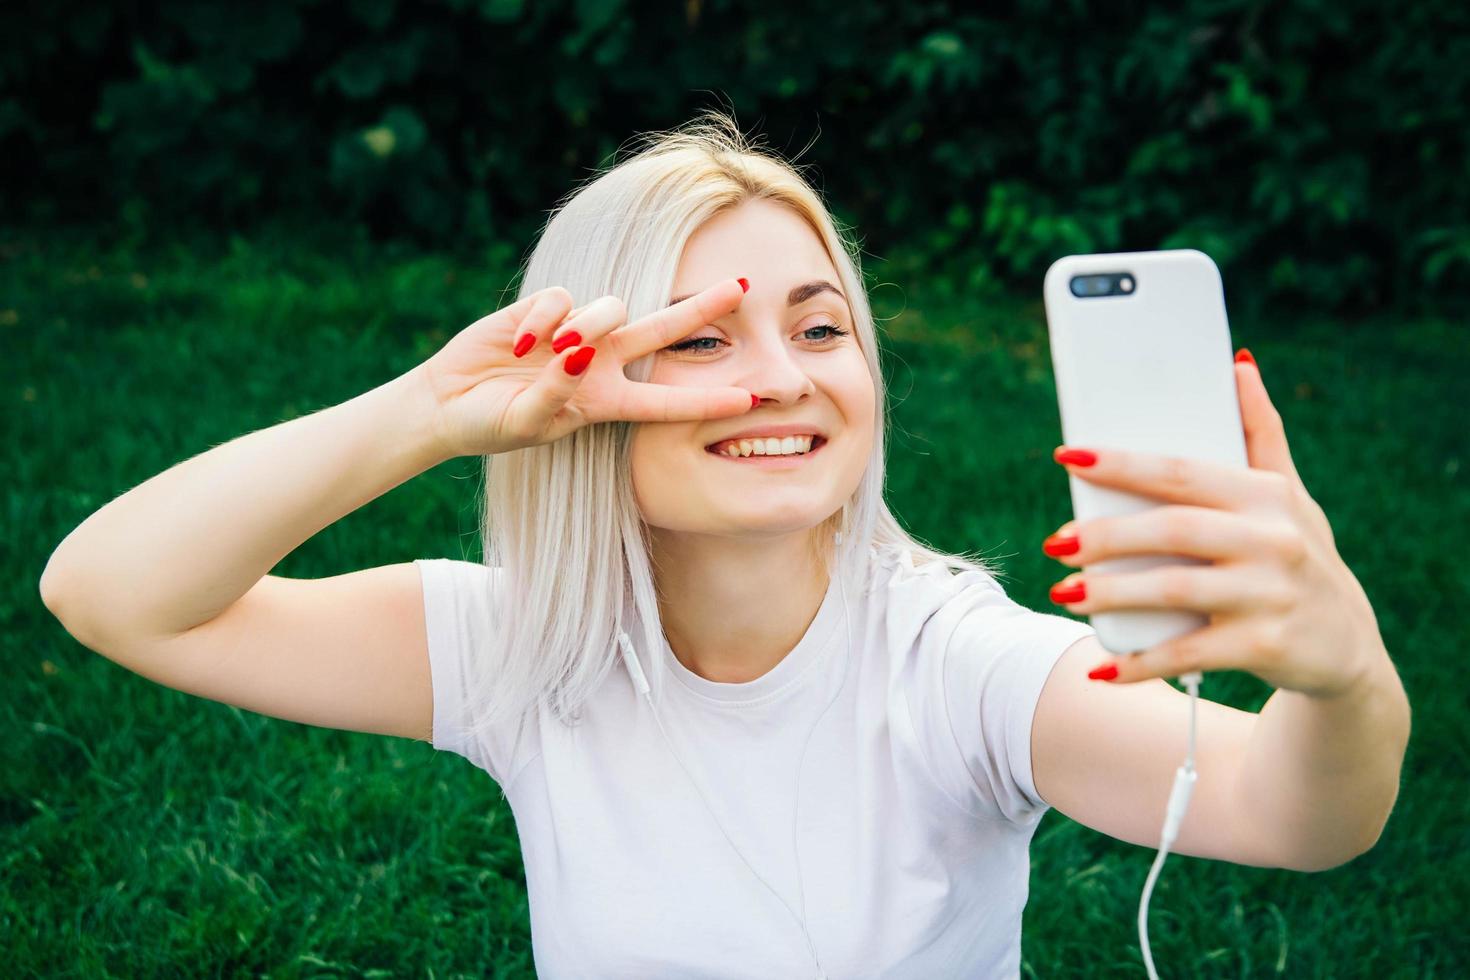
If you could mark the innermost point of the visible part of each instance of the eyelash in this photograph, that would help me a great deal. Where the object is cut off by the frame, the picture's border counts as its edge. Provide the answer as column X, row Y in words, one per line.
column 688, row 345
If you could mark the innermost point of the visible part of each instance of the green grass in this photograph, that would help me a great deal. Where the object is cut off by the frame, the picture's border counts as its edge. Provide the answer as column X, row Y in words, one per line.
column 144, row 832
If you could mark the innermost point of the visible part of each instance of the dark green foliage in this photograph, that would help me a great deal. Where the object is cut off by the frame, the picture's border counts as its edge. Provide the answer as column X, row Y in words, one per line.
column 1316, row 149
column 144, row 832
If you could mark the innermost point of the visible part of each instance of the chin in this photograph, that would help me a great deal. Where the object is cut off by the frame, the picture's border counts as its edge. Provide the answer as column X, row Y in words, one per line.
column 766, row 523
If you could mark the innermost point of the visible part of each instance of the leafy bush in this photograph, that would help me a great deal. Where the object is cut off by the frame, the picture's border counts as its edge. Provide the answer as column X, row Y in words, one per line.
column 1317, row 150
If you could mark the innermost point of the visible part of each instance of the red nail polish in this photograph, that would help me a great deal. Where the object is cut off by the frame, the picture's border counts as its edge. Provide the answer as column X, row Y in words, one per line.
column 744, row 284
column 1104, row 673
column 1061, row 544
column 578, row 362
column 526, row 342
column 1077, row 457
column 569, row 339
column 754, row 400
column 1071, row 593
column 1244, row 356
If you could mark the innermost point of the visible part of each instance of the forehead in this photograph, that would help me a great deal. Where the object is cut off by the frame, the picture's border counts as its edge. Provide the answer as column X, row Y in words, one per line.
column 768, row 243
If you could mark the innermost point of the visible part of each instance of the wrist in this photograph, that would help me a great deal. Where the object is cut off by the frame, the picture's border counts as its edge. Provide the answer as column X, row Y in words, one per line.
column 416, row 409
column 1372, row 673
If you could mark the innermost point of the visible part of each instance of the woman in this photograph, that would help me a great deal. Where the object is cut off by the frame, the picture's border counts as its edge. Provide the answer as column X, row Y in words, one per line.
column 748, row 726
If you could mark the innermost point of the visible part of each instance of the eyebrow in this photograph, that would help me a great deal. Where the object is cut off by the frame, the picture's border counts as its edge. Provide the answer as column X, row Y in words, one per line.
column 797, row 296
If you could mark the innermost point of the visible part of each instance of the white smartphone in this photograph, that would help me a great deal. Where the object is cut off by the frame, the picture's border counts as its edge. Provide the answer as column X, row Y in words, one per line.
column 1141, row 348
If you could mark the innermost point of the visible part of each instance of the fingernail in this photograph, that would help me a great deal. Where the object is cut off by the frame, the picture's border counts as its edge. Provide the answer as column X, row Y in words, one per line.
column 744, row 284
column 1071, row 593
column 578, row 362
column 754, row 400
column 526, row 342
column 1061, row 544
column 1077, row 457
column 1244, row 356
column 1104, row 673
column 569, row 339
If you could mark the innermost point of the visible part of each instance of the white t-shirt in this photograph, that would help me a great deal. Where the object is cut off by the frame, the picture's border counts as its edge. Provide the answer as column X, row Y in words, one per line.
column 917, row 801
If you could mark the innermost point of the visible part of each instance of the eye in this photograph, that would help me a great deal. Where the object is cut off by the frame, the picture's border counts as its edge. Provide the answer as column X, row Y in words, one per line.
column 688, row 345
column 827, row 341
column 836, row 330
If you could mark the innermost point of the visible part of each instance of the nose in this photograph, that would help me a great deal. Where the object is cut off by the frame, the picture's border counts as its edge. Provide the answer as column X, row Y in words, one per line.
column 772, row 369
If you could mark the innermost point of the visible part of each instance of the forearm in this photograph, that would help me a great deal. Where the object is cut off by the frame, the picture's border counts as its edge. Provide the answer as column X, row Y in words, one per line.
column 178, row 549
column 1320, row 776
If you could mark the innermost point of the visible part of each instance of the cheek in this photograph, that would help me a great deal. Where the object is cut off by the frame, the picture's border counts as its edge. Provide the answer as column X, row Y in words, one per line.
column 861, row 413
column 638, row 458
column 651, row 457
column 861, row 394
column 668, row 371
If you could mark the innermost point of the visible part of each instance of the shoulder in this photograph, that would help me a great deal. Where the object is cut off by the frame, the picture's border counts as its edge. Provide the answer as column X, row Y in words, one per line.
column 458, row 568
column 919, row 607
column 457, row 575
column 922, row 590
column 459, row 596
column 965, row 609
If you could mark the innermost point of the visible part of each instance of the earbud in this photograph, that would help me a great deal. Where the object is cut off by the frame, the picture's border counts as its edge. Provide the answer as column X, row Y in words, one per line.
column 630, row 660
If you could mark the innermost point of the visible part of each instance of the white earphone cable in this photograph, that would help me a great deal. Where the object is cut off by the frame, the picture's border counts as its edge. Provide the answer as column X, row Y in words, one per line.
column 1184, row 778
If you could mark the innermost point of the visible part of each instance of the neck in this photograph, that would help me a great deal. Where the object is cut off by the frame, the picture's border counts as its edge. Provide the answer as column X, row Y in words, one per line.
column 734, row 607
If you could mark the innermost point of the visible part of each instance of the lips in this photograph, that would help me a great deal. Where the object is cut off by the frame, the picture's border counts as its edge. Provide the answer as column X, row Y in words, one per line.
column 772, row 431
column 801, row 440
column 781, row 460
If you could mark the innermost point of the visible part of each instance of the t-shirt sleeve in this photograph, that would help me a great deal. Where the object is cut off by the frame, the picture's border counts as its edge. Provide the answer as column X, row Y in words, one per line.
column 996, row 662
column 458, row 615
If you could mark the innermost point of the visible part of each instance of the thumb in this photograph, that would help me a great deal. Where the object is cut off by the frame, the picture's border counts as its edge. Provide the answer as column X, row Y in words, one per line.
column 1265, row 435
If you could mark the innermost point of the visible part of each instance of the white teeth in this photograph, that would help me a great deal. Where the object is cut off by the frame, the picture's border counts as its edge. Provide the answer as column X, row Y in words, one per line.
column 790, row 445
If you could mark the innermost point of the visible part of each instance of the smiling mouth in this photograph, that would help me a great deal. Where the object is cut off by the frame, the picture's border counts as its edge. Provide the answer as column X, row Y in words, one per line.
column 746, row 450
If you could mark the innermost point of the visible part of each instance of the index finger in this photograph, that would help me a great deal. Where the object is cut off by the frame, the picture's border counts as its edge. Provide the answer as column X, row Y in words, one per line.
column 1174, row 479
column 657, row 330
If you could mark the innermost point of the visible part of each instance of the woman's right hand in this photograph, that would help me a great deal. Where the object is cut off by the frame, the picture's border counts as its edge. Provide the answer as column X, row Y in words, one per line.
column 486, row 399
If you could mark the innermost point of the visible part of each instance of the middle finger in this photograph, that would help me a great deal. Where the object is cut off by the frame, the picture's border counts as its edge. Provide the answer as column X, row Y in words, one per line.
column 1179, row 529
column 588, row 323
column 1209, row 589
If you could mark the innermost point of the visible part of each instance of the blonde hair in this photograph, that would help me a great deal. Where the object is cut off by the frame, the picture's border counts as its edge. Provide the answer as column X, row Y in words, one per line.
column 560, row 520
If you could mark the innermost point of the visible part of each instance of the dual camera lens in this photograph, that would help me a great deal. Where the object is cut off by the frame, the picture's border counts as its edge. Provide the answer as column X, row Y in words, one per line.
column 1107, row 284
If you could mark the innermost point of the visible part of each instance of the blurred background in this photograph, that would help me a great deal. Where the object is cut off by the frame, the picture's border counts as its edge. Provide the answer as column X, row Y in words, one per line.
column 215, row 217
column 1315, row 150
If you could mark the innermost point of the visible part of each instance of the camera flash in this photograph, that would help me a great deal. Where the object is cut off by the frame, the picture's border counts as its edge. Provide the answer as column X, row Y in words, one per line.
column 1126, row 284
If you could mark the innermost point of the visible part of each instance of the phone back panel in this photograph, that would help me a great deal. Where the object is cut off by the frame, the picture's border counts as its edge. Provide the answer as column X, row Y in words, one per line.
column 1151, row 371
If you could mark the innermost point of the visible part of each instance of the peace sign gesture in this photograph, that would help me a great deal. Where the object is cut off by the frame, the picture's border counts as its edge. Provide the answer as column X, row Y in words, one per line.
column 527, row 374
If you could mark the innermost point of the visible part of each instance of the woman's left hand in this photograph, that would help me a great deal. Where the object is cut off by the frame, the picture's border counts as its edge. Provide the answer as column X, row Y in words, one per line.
column 1282, row 604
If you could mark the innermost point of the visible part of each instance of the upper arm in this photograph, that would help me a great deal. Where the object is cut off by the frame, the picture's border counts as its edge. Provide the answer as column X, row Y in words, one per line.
column 1105, row 755
column 347, row 651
